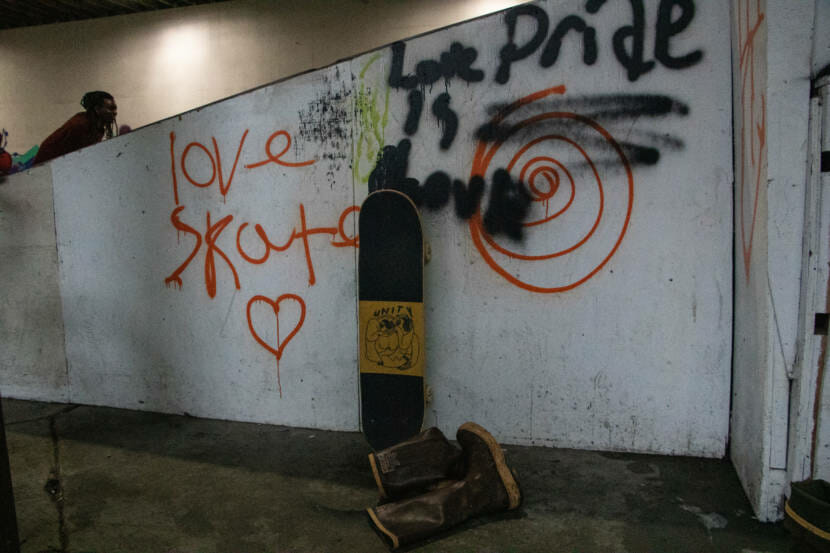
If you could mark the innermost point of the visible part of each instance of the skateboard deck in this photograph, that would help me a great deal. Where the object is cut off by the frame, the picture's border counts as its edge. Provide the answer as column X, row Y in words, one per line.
column 391, row 318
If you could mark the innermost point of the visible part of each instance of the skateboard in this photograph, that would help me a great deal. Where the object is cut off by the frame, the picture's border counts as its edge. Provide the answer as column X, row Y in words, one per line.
column 391, row 318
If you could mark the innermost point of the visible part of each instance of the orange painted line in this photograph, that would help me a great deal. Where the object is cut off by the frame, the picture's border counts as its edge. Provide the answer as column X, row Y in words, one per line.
column 179, row 226
column 597, row 221
column 184, row 166
column 276, row 158
column 521, row 177
column 545, row 171
column 173, row 167
column 303, row 234
column 564, row 208
column 245, row 256
column 346, row 241
column 530, row 98
column 222, row 188
column 211, row 235
column 748, row 46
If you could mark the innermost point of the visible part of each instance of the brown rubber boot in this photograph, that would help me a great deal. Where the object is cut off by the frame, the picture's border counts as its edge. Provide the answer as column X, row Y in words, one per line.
column 483, row 456
column 488, row 486
column 413, row 466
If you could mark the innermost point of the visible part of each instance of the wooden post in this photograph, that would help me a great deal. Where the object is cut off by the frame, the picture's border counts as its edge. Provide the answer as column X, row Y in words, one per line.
column 9, row 539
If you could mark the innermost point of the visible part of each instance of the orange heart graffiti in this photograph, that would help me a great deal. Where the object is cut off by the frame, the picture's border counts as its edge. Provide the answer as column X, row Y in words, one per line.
column 275, row 306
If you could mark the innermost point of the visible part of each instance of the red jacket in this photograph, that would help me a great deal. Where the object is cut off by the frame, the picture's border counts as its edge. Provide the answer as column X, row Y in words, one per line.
column 75, row 134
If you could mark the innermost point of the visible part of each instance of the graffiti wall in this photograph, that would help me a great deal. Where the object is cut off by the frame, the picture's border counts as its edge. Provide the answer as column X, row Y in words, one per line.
column 751, row 276
column 777, row 250
column 572, row 164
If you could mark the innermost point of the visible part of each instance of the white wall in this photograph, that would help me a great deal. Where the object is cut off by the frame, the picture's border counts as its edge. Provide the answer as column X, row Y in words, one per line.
column 158, row 64
column 32, row 358
column 635, row 358
column 772, row 57
column 622, row 342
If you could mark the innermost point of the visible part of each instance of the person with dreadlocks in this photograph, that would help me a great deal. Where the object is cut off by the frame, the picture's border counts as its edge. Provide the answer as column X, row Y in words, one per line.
column 84, row 128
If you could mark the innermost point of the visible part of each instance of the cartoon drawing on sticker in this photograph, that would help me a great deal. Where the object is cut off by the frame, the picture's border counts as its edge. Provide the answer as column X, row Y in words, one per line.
column 391, row 340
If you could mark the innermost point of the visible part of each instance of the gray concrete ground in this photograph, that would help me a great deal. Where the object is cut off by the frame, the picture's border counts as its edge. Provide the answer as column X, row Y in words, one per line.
column 93, row 479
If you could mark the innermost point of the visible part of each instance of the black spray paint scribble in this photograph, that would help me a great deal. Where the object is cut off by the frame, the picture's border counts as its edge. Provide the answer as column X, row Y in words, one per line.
column 457, row 62
column 628, row 41
column 507, row 207
column 446, row 118
column 509, row 199
column 640, row 147
column 327, row 120
column 462, row 62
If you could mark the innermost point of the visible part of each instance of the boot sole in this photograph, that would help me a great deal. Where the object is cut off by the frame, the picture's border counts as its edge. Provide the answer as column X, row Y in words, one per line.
column 391, row 538
column 376, row 473
column 514, row 494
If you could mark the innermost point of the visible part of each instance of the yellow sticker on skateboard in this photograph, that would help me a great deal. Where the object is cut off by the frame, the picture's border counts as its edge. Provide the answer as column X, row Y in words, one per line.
column 392, row 337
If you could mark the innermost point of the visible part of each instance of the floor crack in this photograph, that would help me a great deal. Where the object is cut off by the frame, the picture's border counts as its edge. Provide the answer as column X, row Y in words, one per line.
column 54, row 485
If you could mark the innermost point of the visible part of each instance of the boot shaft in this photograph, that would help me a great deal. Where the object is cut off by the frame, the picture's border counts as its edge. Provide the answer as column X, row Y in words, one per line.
column 415, row 465
column 488, row 477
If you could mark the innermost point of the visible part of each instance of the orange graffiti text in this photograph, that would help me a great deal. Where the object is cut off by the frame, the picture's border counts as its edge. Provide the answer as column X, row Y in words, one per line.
column 197, row 155
column 339, row 239
column 210, row 237
column 277, row 159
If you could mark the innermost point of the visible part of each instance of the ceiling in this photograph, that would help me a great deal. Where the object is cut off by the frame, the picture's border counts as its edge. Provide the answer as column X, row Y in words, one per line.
column 24, row 13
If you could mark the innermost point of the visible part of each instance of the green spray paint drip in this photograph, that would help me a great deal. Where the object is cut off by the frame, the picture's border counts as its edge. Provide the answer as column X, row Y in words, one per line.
column 372, row 126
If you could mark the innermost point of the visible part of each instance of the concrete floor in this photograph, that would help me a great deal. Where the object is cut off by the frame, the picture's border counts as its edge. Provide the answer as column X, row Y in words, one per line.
column 92, row 479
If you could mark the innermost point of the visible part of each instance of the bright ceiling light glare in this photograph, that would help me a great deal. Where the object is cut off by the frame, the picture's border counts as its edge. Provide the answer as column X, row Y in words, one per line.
column 183, row 46
column 180, row 58
column 482, row 7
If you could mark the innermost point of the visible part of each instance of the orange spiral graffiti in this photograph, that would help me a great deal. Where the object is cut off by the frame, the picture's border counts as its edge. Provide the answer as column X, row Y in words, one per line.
column 549, row 179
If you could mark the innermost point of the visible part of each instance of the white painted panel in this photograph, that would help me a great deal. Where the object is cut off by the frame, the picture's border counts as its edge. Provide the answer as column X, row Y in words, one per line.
column 811, row 301
column 771, row 55
column 788, row 108
column 147, row 329
column 32, row 360
column 752, row 379
column 821, row 41
column 821, row 435
column 620, row 341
